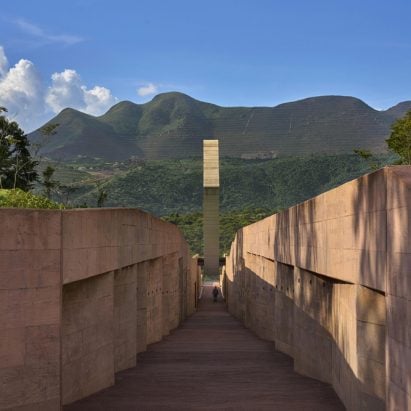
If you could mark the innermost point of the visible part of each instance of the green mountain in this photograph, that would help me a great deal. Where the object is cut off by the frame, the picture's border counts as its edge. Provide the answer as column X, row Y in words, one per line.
column 400, row 109
column 173, row 125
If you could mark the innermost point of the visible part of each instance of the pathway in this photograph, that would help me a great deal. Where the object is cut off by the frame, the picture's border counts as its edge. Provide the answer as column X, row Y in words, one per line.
column 211, row 362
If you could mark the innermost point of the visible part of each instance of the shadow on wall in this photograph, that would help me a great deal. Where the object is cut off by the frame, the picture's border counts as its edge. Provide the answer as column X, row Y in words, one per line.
column 328, row 281
column 382, row 229
column 397, row 286
column 369, row 253
column 369, row 226
column 305, row 315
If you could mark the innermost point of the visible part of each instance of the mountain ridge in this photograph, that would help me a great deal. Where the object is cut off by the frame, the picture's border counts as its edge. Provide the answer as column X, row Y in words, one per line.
column 173, row 125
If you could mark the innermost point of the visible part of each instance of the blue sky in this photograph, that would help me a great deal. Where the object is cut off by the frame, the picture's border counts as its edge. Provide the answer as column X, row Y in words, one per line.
column 89, row 54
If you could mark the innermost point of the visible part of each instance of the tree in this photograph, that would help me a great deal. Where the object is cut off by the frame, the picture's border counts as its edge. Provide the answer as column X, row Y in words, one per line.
column 101, row 195
column 17, row 168
column 363, row 153
column 400, row 138
column 368, row 157
column 48, row 182
column 66, row 192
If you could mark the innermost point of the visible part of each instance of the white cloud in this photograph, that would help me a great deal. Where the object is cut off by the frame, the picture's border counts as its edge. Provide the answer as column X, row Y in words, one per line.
column 4, row 64
column 67, row 90
column 44, row 36
column 31, row 102
column 147, row 90
column 22, row 93
column 98, row 100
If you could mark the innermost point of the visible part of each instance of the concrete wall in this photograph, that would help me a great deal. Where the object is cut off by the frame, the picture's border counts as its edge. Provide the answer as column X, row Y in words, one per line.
column 82, row 292
column 88, row 339
column 329, row 282
column 30, row 309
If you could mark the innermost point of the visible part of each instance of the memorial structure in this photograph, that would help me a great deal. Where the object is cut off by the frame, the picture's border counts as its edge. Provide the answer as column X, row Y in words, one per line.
column 211, row 193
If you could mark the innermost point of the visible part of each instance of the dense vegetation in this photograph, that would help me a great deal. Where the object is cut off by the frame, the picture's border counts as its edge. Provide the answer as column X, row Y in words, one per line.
column 17, row 167
column 173, row 125
column 20, row 199
column 175, row 186
column 400, row 138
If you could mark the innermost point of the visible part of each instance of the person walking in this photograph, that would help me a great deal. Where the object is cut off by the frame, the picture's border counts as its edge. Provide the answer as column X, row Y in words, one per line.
column 215, row 293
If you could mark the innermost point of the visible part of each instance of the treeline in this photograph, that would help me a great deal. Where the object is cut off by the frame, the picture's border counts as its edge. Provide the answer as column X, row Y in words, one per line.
column 175, row 186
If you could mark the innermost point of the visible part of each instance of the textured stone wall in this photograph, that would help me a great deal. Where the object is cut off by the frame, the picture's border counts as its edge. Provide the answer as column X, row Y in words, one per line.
column 329, row 282
column 82, row 292
column 30, row 301
column 142, row 296
column 88, row 340
column 125, row 324
column 398, row 291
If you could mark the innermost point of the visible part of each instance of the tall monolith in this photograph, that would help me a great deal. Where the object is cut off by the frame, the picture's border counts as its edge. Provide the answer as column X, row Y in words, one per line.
column 211, row 220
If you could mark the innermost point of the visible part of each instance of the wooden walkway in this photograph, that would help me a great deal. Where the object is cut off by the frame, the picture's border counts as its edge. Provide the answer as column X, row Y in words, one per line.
column 211, row 362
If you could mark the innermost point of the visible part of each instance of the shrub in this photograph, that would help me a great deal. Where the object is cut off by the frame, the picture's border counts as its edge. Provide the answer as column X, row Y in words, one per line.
column 20, row 199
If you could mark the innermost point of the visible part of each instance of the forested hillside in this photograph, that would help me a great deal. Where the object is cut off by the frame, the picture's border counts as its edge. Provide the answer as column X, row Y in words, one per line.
column 175, row 186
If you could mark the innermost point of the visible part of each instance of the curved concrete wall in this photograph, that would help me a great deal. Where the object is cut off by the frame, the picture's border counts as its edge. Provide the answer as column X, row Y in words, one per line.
column 81, row 293
column 329, row 282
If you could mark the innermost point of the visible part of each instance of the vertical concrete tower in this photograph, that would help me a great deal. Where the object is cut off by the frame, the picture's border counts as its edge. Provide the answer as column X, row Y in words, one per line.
column 211, row 201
